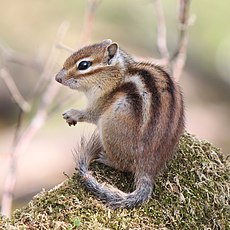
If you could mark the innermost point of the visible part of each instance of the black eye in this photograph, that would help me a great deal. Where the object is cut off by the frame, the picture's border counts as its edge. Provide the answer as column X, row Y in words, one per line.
column 84, row 65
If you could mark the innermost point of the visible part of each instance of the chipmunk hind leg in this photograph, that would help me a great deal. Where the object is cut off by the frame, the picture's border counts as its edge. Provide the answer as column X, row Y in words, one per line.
column 111, row 196
column 85, row 154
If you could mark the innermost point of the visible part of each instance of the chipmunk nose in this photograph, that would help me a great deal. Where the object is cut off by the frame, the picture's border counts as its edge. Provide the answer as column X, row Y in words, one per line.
column 58, row 79
column 60, row 76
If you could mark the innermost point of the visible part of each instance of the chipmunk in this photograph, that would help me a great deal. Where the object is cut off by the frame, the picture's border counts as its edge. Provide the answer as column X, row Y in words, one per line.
column 139, row 113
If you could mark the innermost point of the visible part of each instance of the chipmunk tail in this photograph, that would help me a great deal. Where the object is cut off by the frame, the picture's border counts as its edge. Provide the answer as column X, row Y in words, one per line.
column 109, row 195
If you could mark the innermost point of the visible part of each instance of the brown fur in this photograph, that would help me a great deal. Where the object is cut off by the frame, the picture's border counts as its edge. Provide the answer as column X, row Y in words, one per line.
column 138, row 110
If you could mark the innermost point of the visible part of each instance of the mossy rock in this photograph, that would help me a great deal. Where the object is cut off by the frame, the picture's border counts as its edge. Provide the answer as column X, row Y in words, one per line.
column 191, row 193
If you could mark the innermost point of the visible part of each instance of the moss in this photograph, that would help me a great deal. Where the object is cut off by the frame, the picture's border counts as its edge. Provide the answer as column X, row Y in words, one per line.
column 192, row 192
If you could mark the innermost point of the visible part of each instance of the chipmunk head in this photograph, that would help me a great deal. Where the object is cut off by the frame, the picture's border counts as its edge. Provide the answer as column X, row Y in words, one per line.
column 93, row 66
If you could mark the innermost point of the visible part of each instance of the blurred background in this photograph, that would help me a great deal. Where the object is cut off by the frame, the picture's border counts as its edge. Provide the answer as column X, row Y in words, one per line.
column 29, row 29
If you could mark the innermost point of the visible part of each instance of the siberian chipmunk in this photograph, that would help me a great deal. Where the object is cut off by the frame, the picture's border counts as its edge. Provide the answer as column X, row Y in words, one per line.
column 139, row 113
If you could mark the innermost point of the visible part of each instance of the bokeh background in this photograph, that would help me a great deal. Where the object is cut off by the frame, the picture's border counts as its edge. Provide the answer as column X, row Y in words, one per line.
column 30, row 27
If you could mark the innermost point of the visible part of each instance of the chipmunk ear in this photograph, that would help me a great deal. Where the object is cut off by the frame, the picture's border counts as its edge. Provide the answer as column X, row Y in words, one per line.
column 112, row 51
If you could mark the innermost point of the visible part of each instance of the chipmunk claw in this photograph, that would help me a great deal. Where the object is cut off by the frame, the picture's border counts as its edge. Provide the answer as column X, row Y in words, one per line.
column 69, row 117
column 71, row 123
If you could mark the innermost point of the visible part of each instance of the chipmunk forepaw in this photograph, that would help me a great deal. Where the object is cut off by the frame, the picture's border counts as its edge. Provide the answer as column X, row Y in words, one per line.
column 70, row 117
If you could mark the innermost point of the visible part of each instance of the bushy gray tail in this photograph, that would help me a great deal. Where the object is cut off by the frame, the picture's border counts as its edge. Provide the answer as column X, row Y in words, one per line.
column 108, row 194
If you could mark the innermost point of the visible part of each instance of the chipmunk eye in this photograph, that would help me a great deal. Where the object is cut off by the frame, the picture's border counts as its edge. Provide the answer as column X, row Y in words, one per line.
column 84, row 65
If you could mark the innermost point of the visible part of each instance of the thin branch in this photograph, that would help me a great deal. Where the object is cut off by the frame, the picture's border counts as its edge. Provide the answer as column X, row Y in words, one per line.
column 88, row 22
column 161, row 31
column 13, row 56
column 52, row 59
column 47, row 91
column 65, row 47
column 87, row 26
column 180, row 56
column 16, row 95
column 177, row 62
column 10, row 181
column 23, row 141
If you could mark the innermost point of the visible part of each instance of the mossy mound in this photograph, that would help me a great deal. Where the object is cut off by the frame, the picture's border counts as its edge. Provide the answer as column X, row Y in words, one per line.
column 191, row 193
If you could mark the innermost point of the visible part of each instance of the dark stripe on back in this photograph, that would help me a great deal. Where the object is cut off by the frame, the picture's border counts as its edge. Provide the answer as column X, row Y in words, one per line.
column 171, row 90
column 175, row 124
column 133, row 98
column 181, row 121
column 150, row 84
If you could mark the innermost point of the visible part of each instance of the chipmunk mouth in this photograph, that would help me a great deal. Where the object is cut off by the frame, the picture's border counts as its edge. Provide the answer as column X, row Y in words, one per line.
column 72, row 83
column 58, row 80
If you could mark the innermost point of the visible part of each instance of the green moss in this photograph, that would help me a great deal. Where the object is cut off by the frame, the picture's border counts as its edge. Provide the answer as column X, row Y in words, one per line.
column 192, row 192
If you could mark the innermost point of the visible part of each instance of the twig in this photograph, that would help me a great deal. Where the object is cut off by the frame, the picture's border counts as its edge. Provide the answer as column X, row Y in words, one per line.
column 10, row 181
column 18, row 98
column 88, row 22
column 46, row 91
column 177, row 62
column 38, row 120
column 51, row 61
column 161, row 31
column 180, row 56
column 65, row 47
column 13, row 56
